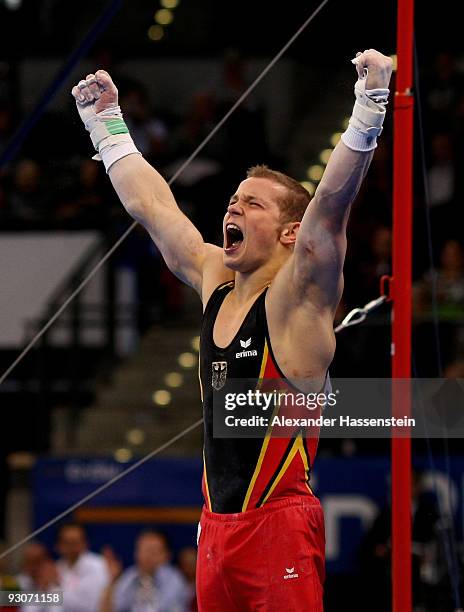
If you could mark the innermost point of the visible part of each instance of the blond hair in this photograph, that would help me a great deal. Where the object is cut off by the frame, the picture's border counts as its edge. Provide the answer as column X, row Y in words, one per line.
column 293, row 205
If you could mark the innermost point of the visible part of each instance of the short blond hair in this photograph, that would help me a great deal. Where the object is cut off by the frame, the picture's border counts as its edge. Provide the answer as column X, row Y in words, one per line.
column 293, row 206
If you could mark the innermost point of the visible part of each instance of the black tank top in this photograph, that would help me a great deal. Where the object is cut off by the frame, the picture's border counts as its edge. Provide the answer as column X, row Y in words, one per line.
column 241, row 474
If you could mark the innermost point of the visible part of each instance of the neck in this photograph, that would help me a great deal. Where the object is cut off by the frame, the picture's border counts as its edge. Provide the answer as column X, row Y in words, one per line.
column 73, row 561
column 249, row 284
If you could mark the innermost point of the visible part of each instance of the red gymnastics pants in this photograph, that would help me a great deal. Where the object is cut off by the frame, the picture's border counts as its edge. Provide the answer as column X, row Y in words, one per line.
column 263, row 560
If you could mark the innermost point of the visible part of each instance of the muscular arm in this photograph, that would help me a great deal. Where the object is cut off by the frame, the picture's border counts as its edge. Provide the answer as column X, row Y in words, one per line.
column 321, row 241
column 142, row 190
column 148, row 199
column 320, row 245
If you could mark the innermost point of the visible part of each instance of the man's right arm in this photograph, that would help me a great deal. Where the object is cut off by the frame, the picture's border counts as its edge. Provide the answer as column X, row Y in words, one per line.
column 148, row 199
column 142, row 190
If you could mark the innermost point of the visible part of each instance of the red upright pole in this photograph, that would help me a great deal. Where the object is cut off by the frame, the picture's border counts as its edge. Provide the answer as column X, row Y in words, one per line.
column 402, row 305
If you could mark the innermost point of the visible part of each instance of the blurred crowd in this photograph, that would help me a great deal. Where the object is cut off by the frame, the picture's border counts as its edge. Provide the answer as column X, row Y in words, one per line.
column 92, row 582
column 54, row 184
column 438, row 244
column 99, row 582
column 431, row 537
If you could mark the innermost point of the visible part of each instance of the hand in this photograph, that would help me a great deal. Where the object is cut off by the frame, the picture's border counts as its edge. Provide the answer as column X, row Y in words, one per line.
column 113, row 563
column 379, row 68
column 94, row 94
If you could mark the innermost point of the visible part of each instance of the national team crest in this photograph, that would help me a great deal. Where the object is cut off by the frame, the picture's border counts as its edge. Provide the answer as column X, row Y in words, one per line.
column 218, row 379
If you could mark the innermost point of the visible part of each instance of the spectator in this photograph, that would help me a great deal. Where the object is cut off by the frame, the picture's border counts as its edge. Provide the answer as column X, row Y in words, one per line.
column 150, row 134
column 85, row 207
column 34, row 556
column 441, row 174
column 378, row 264
column 151, row 585
column 443, row 90
column 450, row 280
column 82, row 575
column 199, row 119
column 188, row 566
column 442, row 180
column 26, row 201
column 201, row 182
column 427, row 556
column 449, row 284
column 45, row 578
column 246, row 124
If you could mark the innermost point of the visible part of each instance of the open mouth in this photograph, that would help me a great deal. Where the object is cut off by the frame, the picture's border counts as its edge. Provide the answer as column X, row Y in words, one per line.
column 234, row 237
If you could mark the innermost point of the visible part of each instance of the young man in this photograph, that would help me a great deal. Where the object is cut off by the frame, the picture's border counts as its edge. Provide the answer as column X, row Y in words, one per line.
column 82, row 575
column 273, row 288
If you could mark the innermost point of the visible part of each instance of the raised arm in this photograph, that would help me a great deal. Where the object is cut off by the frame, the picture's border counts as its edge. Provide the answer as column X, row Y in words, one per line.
column 142, row 190
column 317, row 265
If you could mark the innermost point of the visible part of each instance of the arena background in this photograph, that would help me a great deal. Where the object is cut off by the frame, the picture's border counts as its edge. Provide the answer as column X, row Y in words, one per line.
column 115, row 376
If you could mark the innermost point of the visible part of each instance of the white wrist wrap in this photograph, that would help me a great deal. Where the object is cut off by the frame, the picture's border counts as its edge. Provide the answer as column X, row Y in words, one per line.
column 367, row 118
column 110, row 136
column 112, row 153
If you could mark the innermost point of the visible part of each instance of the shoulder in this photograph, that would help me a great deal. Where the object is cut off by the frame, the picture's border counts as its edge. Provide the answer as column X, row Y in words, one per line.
column 286, row 303
column 91, row 561
column 124, row 588
column 170, row 573
column 127, row 577
column 172, row 578
column 301, row 334
column 214, row 271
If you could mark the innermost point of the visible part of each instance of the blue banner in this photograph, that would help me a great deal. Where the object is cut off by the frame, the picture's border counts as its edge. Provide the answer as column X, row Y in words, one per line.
column 166, row 494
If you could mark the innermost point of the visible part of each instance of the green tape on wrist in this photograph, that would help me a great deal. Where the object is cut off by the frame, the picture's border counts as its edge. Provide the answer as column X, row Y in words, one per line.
column 116, row 126
column 104, row 129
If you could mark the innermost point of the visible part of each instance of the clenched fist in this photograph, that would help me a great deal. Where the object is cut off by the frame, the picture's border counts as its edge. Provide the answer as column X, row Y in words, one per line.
column 371, row 93
column 379, row 68
column 97, row 102
column 94, row 94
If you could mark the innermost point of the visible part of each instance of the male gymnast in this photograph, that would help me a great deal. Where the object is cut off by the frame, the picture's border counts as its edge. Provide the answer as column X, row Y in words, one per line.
column 272, row 289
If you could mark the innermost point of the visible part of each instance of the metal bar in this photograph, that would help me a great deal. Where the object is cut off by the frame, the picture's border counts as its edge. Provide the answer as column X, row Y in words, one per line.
column 402, row 304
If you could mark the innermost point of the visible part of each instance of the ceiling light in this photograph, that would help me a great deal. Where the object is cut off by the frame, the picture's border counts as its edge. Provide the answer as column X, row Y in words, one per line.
column 309, row 187
column 187, row 360
column 155, row 32
column 315, row 172
column 162, row 397
column 164, row 17
column 324, row 155
column 174, row 379
column 135, row 436
column 123, row 454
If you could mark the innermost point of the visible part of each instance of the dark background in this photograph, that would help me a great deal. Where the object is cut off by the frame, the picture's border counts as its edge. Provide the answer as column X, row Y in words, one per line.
column 54, row 194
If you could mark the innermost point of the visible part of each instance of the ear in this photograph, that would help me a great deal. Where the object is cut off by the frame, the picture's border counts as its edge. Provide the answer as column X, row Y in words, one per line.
column 289, row 233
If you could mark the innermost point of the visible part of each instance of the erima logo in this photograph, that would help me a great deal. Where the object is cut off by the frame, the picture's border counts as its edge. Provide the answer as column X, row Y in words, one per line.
column 290, row 573
column 245, row 344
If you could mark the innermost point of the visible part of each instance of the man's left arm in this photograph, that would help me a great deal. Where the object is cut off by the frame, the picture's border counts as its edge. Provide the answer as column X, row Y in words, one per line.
column 320, row 245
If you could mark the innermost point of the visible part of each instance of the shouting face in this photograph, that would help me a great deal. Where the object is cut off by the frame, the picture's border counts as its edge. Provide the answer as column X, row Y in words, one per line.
column 252, row 227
